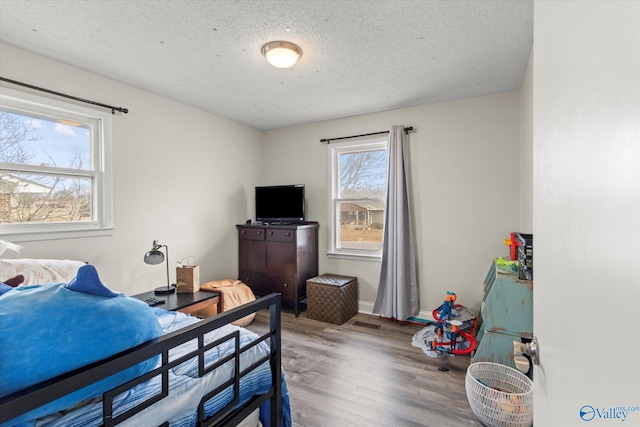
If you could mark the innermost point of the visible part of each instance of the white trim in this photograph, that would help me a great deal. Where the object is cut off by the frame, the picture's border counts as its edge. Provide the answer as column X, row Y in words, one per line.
column 377, row 142
column 100, row 172
column 366, row 307
column 36, row 236
column 354, row 256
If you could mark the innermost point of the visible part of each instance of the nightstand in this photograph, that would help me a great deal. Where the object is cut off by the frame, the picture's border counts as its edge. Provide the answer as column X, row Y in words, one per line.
column 186, row 303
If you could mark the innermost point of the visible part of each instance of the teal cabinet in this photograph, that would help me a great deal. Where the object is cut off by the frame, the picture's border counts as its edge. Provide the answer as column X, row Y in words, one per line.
column 506, row 314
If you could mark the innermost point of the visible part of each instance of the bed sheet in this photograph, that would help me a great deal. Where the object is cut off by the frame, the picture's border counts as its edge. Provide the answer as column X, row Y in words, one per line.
column 185, row 387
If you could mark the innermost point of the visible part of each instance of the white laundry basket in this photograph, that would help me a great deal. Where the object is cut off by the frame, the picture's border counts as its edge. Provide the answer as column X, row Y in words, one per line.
column 500, row 396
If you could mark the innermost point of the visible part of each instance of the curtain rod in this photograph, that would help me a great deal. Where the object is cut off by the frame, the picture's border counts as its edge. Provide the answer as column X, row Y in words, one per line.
column 328, row 140
column 75, row 98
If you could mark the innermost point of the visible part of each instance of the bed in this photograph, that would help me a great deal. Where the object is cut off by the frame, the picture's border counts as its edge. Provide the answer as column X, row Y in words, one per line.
column 190, row 372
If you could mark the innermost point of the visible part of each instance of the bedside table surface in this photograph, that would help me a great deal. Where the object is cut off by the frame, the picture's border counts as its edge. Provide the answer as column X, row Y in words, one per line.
column 176, row 301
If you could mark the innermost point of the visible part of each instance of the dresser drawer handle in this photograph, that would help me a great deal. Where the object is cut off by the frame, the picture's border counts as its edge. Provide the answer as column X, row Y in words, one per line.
column 285, row 285
column 288, row 233
column 244, row 231
column 259, row 232
column 271, row 233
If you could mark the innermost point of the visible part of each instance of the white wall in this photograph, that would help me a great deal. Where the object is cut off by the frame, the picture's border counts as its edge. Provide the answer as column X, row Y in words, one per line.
column 465, row 180
column 526, row 151
column 181, row 176
column 586, row 75
column 186, row 178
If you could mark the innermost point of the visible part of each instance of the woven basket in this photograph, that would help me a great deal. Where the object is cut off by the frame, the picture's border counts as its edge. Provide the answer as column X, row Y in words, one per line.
column 332, row 298
column 500, row 396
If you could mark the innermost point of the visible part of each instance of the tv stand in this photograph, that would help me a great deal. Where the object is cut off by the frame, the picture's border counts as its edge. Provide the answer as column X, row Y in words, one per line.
column 267, row 223
column 278, row 258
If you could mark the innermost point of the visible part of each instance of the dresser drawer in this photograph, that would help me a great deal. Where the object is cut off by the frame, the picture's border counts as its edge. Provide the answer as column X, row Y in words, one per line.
column 252, row 234
column 279, row 235
column 284, row 285
column 263, row 284
column 256, row 281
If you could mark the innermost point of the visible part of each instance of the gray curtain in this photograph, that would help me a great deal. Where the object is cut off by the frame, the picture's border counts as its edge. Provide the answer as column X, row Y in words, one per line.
column 398, row 289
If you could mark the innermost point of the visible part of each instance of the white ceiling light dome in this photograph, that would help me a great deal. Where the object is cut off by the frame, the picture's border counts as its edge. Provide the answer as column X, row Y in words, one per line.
column 281, row 54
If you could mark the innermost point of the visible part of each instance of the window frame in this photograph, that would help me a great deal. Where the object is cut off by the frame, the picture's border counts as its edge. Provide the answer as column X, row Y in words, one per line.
column 334, row 150
column 100, row 172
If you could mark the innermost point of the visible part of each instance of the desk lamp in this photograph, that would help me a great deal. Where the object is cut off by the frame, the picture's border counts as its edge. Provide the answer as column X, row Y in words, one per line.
column 153, row 257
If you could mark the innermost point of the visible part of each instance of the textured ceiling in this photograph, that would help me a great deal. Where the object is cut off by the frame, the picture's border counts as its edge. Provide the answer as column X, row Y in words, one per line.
column 359, row 56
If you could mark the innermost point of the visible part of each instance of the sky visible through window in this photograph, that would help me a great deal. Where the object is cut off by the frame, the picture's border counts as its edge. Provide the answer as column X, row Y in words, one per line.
column 360, row 210
column 55, row 168
column 362, row 174
column 41, row 154
column 49, row 142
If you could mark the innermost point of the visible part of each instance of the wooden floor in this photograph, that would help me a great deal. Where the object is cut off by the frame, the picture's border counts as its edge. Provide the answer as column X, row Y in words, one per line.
column 355, row 375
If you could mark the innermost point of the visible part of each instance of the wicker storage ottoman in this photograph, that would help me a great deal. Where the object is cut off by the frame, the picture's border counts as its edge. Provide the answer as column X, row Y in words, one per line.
column 332, row 298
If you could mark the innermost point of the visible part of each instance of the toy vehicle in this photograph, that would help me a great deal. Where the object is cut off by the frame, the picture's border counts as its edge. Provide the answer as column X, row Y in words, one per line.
column 452, row 333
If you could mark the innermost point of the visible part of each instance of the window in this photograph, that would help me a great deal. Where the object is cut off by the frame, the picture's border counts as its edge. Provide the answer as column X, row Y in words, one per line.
column 55, row 168
column 357, row 183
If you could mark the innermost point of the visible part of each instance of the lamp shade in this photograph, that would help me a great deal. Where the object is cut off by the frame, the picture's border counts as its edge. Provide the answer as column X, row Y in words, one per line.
column 281, row 54
column 155, row 256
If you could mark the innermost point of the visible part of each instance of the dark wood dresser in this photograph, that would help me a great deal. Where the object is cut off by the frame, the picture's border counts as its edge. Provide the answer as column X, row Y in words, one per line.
column 278, row 258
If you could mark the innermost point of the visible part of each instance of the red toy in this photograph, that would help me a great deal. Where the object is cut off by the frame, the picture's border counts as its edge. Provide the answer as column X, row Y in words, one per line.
column 452, row 334
column 513, row 244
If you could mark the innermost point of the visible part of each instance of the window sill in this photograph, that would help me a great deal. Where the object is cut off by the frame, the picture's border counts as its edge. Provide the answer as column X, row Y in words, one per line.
column 354, row 256
column 34, row 236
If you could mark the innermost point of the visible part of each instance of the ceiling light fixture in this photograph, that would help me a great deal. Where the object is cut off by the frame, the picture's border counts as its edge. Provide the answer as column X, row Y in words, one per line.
column 281, row 54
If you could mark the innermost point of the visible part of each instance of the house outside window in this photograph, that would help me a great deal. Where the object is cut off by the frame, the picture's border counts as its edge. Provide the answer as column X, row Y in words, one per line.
column 55, row 169
column 357, row 194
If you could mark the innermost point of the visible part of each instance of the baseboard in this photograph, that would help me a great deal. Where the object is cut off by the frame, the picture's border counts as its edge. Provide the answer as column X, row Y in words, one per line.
column 366, row 307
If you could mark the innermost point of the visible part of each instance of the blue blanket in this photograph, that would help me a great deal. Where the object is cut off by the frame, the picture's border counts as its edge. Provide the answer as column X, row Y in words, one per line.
column 186, row 388
column 46, row 330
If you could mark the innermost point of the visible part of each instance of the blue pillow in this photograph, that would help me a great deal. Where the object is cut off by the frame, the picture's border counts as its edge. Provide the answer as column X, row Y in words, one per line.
column 87, row 280
column 4, row 288
column 50, row 329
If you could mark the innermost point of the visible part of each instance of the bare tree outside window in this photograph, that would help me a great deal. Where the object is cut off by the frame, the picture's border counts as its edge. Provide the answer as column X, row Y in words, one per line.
column 362, row 174
column 55, row 168
column 36, row 153
column 14, row 133
column 361, row 190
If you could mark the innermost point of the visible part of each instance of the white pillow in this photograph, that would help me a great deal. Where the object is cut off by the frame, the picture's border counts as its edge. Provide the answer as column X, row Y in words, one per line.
column 40, row 271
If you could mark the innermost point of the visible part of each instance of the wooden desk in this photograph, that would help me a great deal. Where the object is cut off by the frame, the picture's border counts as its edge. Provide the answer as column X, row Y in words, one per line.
column 186, row 303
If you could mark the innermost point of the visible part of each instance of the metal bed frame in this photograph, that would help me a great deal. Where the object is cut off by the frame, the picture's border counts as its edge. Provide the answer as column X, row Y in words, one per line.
column 25, row 400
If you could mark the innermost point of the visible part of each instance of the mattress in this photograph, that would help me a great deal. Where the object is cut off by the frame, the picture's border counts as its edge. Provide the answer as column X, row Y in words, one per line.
column 185, row 387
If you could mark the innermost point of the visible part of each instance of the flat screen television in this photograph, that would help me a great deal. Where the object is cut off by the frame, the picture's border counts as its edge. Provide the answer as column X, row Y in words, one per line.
column 280, row 203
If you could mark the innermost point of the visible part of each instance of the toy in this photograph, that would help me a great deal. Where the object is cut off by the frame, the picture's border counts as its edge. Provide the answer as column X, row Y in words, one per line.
column 506, row 266
column 452, row 334
column 513, row 244
column 446, row 311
